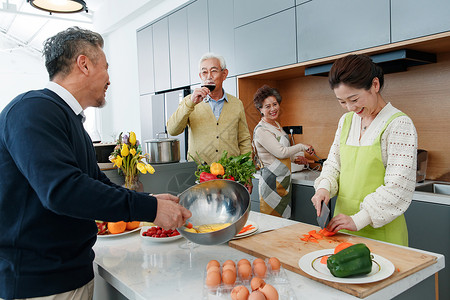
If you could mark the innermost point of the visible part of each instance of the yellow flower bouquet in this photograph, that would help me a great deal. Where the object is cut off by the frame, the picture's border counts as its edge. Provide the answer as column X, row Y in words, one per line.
column 128, row 158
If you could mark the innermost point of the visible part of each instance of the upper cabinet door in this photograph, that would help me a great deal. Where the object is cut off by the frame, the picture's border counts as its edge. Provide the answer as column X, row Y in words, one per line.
column 246, row 11
column 329, row 27
column 145, row 60
column 411, row 19
column 179, row 55
column 161, row 55
column 266, row 43
column 198, row 29
column 221, row 31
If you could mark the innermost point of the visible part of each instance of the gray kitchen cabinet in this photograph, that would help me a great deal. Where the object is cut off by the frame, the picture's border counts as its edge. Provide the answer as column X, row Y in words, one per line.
column 266, row 43
column 161, row 54
column 254, row 196
column 145, row 60
column 411, row 19
column 246, row 11
column 178, row 45
column 198, row 36
column 230, row 85
column 328, row 27
column 221, row 31
column 428, row 229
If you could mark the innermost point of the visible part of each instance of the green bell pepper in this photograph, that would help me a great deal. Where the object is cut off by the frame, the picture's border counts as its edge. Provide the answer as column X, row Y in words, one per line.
column 354, row 260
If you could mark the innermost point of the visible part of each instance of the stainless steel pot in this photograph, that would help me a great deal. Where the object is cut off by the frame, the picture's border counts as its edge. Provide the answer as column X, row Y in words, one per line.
column 163, row 150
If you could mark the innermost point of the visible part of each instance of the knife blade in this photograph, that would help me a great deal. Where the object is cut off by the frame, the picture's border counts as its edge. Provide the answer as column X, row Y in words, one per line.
column 324, row 213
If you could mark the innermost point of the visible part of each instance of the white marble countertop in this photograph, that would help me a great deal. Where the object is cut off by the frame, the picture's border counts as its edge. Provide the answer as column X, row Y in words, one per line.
column 140, row 269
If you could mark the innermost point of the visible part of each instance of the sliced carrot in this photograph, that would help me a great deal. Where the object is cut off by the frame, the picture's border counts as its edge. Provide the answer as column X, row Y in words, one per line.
column 317, row 236
column 398, row 270
column 342, row 246
column 304, row 239
column 327, row 233
column 311, row 239
column 323, row 260
column 312, row 231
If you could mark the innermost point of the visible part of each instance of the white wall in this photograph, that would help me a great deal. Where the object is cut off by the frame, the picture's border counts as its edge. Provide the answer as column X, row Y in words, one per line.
column 20, row 71
column 122, row 110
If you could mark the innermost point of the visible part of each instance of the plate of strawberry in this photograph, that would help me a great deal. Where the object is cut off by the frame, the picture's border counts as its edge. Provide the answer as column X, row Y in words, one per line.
column 158, row 234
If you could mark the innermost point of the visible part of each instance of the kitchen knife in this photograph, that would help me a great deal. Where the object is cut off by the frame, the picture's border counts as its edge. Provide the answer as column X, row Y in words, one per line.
column 324, row 213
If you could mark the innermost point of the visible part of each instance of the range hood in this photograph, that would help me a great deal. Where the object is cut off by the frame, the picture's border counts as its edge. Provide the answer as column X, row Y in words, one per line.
column 390, row 62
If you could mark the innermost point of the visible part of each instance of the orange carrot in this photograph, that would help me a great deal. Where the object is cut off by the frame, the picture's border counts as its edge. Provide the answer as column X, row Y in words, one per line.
column 323, row 260
column 317, row 236
column 342, row 246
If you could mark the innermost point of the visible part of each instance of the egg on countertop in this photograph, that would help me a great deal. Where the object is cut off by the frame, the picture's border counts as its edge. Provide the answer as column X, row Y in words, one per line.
column 269, row 292
column 245, row 271
column 274, row 263
column 240, row 292
column 212, row 263
column 213, row 279
column 257, row 295
column 260, row 270
column 229, row 276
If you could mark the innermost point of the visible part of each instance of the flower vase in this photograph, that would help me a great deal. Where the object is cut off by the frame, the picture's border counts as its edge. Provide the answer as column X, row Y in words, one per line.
column 133, row 183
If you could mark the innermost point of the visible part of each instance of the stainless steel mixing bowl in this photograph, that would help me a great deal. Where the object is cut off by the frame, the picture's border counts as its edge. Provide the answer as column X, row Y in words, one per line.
column 216, row 201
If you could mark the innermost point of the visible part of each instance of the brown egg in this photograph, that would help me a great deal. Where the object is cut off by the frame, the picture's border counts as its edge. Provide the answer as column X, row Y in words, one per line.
column 269, row 292
column 229, row 277
column 260, row 270
column 213, row 279
column 240, row 292
column 245, row 271
column 274, row 263
column 212, row 263
column 229, row 267
column 258, row 261
column 213, row 269
column 229, row 262
column 256, row 283
column 257, row 295
column 243, row 261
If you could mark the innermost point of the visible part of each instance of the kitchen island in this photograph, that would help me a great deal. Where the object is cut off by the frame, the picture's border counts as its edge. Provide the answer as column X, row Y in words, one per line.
column 128, row 267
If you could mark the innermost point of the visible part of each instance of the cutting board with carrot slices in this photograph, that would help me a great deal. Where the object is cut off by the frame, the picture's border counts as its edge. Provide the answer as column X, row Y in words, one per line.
column 290, row 243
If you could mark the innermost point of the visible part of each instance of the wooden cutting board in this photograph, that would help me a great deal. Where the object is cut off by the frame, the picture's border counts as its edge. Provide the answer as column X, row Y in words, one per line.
column 285, row 244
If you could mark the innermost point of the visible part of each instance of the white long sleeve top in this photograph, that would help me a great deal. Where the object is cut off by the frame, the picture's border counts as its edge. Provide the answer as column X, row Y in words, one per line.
column 399, row 155
column 267, row 142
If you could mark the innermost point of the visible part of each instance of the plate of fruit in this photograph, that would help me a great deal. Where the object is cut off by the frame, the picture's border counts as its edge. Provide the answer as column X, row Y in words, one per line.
column 113, row 229
column 158, row 234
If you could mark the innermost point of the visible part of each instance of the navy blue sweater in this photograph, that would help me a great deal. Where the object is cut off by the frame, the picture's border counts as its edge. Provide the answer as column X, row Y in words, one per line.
column 51, row 191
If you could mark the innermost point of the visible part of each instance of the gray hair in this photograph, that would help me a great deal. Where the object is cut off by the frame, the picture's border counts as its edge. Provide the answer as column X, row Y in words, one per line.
column 209, row 55
column 60, row 50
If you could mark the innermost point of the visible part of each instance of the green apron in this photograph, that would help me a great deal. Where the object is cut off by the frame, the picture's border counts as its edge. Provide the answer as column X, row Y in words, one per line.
column 362, row 172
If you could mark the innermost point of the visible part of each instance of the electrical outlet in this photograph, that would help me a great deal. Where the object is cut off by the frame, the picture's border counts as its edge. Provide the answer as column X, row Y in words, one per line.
column 295, row 129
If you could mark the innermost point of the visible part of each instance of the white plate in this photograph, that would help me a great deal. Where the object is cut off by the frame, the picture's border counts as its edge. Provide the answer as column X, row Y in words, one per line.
column 249, row 232
column 117, row 234
column 310, row 263
column 157, row 240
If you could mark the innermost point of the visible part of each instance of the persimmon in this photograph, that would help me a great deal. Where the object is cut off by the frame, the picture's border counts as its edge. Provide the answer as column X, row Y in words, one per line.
column 117, row 227
column 133, row 225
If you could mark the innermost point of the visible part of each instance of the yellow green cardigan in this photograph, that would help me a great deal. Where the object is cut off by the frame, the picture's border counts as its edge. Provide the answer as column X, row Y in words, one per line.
column 210, row 137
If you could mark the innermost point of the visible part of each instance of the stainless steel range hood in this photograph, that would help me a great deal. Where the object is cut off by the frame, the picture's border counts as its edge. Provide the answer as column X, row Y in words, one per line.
column 391, row 62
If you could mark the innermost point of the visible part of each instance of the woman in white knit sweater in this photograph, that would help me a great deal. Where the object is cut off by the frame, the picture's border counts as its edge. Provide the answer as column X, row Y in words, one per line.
column 275, row 154
column 371, row 166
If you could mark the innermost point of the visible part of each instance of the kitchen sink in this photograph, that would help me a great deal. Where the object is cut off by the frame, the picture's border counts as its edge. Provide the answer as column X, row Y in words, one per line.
column 435, row 188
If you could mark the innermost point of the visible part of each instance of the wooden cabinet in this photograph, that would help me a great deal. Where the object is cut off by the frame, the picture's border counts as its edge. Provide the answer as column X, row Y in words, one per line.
column 198, row 35
column 246, row 11
column 161, row 55
column 145, row 60
column 328, row 27
column 266, row 43
column 411, row 19
column 221, row 31
column 178, row 45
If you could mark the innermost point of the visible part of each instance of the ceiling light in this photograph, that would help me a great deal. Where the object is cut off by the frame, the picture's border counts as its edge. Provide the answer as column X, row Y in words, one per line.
column 59, row 6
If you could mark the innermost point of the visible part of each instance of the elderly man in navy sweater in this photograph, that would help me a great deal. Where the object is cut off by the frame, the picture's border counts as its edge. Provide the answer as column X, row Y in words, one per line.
column 51, row 189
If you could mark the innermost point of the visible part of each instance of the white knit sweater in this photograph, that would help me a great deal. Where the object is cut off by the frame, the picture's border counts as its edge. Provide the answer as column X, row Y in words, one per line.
column 399, row 155
column 266, row 141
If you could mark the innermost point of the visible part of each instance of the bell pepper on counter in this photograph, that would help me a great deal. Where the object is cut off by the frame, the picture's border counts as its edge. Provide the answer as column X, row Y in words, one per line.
column 354, row 260
column 216, row 169
column 205, row 176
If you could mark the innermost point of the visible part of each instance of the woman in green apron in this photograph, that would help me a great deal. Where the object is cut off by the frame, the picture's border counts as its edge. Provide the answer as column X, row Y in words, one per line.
column 371, row 166
column 274, row 152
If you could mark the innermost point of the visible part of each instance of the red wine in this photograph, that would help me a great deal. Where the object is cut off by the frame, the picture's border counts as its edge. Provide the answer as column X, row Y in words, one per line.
column 211, row 87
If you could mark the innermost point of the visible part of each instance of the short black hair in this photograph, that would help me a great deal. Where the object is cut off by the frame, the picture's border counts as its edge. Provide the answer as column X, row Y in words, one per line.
column 60, row 50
